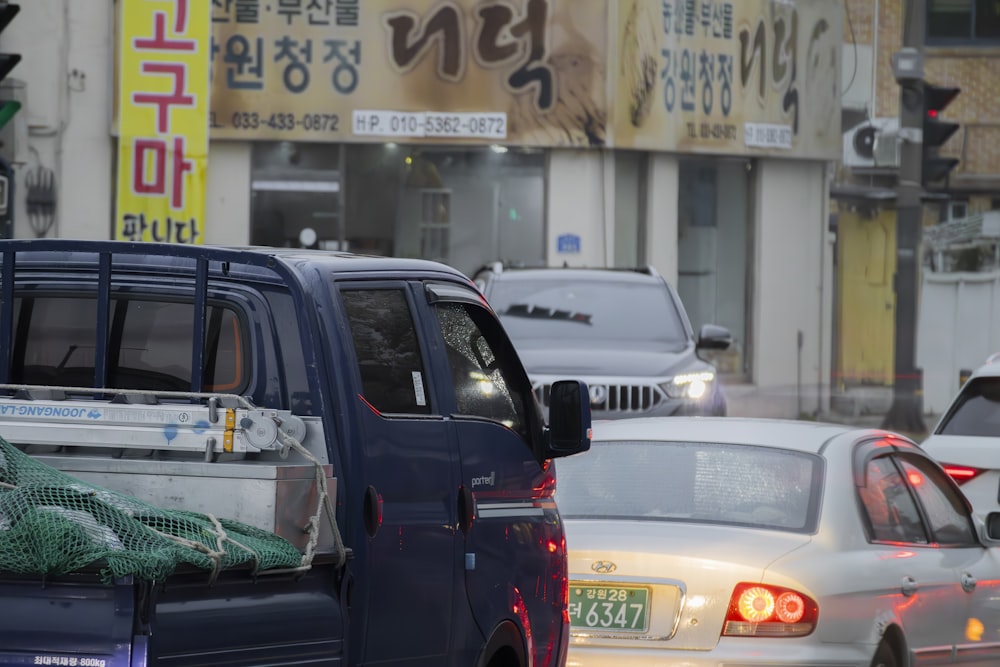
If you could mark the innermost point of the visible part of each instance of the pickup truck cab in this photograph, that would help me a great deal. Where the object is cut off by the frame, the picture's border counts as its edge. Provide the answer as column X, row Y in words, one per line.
column 374, row 414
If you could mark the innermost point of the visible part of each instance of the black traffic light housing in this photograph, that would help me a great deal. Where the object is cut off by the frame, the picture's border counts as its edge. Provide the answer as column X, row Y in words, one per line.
column 936, row 169
column 7, row 110
column 8, row 61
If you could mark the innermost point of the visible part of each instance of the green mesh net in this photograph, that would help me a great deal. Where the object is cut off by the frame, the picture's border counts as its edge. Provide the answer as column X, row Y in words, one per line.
column 52, row 524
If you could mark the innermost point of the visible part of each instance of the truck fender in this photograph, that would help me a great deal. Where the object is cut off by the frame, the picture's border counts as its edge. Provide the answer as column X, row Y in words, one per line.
column 505, row 648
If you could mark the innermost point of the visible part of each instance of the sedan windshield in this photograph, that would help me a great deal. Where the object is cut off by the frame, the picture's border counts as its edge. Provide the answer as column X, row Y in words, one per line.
column 605, row 311
column 742, row 485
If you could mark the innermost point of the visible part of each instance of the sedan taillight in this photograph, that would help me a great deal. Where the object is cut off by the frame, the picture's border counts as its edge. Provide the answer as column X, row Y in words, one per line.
column 761, row 610
column 961, row 474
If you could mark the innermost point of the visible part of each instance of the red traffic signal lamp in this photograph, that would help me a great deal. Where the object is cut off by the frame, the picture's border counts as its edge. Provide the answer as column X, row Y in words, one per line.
column 936, row 132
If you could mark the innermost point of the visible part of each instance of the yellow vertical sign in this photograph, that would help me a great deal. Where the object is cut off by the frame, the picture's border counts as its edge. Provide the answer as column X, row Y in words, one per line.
column 163, row 101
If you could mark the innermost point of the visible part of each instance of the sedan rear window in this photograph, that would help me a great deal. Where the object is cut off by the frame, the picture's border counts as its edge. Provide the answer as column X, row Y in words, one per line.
column 977, row 410
column 741, row 485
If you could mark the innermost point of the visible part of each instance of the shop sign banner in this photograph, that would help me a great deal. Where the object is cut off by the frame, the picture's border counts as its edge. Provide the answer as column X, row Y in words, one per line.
column 163, row 99
column 737, row 77
column 528, row 72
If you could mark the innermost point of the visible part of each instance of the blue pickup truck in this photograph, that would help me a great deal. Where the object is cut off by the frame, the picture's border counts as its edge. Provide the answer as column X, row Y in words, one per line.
column 339, row 456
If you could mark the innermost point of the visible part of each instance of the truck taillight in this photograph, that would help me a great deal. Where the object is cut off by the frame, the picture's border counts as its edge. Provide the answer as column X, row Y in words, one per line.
column 761, row 610
column 961, row 474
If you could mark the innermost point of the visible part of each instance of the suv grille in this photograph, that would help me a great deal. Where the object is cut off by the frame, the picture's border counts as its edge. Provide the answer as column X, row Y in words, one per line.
column 614, row 397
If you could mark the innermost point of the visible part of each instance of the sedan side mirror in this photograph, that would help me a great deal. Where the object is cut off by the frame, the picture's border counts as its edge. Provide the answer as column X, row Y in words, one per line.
column 714, row 337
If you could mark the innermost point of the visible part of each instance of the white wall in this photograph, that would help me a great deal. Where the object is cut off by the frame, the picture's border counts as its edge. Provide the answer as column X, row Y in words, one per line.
column 227, row 204
column 66, row 49
column 793, row 274
column 661, row 215
column 576, row 204
column 958, row 328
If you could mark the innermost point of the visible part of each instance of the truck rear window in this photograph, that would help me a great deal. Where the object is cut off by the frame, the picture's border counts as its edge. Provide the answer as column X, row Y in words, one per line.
column 149, row 344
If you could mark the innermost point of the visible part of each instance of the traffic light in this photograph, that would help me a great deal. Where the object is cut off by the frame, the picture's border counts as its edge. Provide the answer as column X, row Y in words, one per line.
column 7, row 62
column 936, row 132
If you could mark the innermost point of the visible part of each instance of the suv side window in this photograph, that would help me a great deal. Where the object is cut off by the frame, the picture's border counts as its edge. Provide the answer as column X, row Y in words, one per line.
column 977, row 410
column 388, row 354
column 890, row 507
column 485, row 385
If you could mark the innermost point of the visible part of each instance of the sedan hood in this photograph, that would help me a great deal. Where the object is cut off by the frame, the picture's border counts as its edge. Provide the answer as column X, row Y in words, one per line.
column 690, row 570
column 573, row 360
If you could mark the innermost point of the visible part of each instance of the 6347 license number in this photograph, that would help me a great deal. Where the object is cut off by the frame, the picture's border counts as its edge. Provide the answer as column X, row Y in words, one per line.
column 609, row 607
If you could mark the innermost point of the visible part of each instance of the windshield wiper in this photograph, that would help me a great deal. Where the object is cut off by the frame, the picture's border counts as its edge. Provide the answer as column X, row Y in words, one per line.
column 528, row 310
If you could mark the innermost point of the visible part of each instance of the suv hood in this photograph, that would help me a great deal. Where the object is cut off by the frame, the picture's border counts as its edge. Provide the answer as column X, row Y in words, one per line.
column 540, row 358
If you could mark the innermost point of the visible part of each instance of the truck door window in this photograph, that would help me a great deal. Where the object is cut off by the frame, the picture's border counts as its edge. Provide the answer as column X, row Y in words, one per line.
column 385, row 342
column 484, row 385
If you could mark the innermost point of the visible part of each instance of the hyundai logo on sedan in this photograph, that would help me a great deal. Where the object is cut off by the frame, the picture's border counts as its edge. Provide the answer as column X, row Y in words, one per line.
column 598, row 394
column 603, row 566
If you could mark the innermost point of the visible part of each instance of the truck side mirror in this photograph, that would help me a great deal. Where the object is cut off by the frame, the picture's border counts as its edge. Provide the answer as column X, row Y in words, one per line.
column 569, row 419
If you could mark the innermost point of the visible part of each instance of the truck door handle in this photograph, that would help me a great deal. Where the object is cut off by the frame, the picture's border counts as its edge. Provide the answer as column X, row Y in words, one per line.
column 466, row 508
column 968, row 582
column 372, row 511
column 909, row 586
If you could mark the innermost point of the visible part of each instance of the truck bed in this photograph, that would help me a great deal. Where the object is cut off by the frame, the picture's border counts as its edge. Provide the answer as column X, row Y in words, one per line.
column 77, row 620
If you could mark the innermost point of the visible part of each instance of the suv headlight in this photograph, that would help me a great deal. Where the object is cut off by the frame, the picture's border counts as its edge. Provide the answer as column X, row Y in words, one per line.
column 689, row 385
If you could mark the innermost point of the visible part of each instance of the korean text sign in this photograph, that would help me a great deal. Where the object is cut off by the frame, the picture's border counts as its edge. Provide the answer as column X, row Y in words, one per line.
column 729, row 76
column 163, row 106
column 472, row 71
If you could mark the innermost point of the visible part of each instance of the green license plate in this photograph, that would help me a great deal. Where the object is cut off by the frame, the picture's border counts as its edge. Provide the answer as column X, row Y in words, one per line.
column 618, row 608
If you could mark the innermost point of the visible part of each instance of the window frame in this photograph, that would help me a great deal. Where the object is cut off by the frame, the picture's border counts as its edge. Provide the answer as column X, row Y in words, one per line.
column 426, row 358
column 969, row 40
column 880, row 449
column 438, row 292
column 244, row 370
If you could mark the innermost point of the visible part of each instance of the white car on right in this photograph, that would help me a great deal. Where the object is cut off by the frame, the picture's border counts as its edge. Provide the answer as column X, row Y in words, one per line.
column 966, row 440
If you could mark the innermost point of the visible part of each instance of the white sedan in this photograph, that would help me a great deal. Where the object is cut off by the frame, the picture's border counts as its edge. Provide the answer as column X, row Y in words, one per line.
column 739, row 542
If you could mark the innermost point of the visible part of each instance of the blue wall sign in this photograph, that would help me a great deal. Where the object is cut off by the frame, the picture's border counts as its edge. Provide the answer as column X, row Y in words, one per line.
column 568, row 243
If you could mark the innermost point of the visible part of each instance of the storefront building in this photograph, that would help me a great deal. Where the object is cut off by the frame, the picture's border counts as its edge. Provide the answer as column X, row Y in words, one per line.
column 692, row 135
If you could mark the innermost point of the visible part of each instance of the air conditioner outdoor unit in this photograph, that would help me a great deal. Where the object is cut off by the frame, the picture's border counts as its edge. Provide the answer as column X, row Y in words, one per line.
column 868, row 145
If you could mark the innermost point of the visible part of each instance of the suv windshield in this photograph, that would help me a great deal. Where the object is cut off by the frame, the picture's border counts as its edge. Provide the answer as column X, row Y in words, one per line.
column 605, row 311
column 977, row 411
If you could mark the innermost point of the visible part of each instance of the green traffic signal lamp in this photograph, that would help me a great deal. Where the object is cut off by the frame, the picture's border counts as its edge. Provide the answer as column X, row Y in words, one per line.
column 7, row 110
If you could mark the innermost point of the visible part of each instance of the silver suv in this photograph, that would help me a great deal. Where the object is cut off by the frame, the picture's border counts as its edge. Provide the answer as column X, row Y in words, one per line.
column 623, row 331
